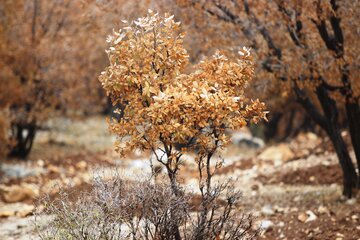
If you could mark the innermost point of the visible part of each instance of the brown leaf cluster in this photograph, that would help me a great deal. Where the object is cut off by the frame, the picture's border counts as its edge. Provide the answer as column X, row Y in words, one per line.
column 165, row 106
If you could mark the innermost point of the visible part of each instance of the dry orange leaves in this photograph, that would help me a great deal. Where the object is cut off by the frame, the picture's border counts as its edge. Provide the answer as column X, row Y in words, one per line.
column 165, row 106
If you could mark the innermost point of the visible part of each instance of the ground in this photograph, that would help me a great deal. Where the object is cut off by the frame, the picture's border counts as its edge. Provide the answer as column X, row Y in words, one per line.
column 292, row 189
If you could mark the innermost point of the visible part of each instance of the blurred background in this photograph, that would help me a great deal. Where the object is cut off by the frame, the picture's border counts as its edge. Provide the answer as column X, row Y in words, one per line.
column 299, row 171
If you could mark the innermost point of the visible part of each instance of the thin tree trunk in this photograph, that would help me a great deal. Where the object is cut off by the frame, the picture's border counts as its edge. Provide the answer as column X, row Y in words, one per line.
column 272, row 125
column 176, row 192
column 348, row 169
column 289, row 125
column 330, row 123
column 23, row 143
column 353, row 115
column 333, row 130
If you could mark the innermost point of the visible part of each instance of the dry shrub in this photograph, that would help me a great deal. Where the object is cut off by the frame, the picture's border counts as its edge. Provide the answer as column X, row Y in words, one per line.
column 118, row 209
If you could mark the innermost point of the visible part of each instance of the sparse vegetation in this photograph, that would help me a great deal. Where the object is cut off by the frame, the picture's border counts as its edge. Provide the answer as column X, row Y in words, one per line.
column 118, row 209
column 163, row 108
column 180, row 118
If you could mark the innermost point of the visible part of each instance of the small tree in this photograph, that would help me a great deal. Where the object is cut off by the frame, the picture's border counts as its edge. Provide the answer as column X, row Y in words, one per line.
column 165, row 107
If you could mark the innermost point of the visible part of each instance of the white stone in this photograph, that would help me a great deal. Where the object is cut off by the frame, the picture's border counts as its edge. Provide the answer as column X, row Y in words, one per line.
column 16, row 209
column 277, row 154
column 267, row 210
column 266, row 224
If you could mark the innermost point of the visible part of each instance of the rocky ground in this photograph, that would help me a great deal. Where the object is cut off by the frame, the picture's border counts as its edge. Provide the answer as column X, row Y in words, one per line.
column 293, row 189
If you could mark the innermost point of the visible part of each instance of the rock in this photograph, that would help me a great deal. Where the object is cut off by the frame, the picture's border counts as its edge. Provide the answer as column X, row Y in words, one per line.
column 340, row 235
column 278, row 154
column 52, row 186
column 16, row 193
column 140, row 164
column 297, row 199
column 323, row 210
column 279, row 209
column 308, row 216
column 326, row 163
column 312, row 178
column 40, row 163
column 16, row 209
column 351, row 201
column 294, row 209
column 71, row 170
column 267, row 210
column 20, row 170
column 82, row 165
column 86, row 177
column 245, row 138
column 311, row 216
column 302, row 217
column 53, row 169
column 266, row 225
column 311, row 136
column 254, row 193
column 77, row 181
column 67, row 182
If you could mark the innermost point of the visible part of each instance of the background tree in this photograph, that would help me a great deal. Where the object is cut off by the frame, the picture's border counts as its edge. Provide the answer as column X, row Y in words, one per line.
column 36, row 49
column 308, row 50
column 50, row 52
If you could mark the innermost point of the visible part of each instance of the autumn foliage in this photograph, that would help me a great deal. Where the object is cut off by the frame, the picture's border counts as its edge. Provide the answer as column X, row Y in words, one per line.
column 307, row 54
column 164, row 106
column 50, row 54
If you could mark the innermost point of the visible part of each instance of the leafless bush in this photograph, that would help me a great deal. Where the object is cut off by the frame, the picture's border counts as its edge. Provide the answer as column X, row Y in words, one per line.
column 219, row 217
column 117, row 209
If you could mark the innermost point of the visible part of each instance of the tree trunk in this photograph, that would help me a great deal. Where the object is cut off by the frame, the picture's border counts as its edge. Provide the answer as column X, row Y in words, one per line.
column 289, row 126
column 332, row 128
column 272, row 126
column 353, row 115
column 348, row 169
column 330, row 123
column 176, row 192
column 24, row 136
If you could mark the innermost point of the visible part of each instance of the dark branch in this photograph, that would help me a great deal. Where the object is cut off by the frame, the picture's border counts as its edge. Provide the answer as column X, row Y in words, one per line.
column 310, row 107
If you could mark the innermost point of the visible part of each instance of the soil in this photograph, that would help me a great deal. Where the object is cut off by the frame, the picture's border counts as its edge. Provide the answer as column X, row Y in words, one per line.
column 337, row 224
column 243, row 164
column 317, row 175
column 289, row 190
